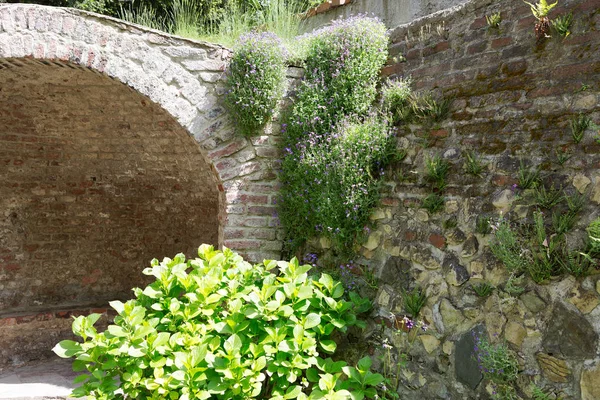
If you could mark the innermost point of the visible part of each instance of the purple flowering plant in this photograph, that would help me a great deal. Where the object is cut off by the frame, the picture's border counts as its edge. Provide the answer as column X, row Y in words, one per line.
column 496, row 362
column 255, row 80
column 335, row 146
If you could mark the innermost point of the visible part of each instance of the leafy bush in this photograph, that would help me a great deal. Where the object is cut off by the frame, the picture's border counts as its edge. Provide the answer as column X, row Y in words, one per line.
column 255, row 80
column 217, row 327
column 498, row 364
column 395, row 97
column 334, row 147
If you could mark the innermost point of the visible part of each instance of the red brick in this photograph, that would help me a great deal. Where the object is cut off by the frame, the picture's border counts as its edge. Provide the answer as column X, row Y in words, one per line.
column 437, row 240
column 479, row 23
column 388, row 201
column 501, row 42
column 410, row 236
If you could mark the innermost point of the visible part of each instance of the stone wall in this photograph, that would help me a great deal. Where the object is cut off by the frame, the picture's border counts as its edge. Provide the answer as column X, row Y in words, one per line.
column 513, row 98
column 391, row 12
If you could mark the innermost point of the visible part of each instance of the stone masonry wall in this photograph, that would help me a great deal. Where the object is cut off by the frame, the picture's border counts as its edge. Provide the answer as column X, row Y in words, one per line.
column 513, row 98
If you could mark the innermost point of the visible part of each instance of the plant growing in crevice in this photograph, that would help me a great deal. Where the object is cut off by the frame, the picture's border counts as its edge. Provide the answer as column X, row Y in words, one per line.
column 547, row 198
column 493, row 20
column 483, row 225
column 593, row 231
column 473, row 164
column 578, row 126
column 483, row 289
column 506, row 247
column 450, row 223
column 437, row 171
column 540, row 11
column 562, row 24
column 563, row 222
column 499, row 365
column 528, row 177
column 413, row 301
column 426, row 107
column 575, row 202
column 433, row 203
column 255, row 81
column 395, row 97
column 577, row 263
column 562, row 155
column 514, row 285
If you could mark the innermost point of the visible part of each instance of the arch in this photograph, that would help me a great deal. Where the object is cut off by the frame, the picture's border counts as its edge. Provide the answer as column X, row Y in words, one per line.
column 185, row 78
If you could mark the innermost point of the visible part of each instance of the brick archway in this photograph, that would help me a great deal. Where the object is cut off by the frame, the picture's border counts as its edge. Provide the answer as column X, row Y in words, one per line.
column 185, row 78
column 110, row 132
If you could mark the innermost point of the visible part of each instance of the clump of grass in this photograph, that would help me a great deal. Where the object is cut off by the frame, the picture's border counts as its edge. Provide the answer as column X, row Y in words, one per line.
column 395, row 95
column 562, row 155
column 528, row 177
column 437, row 171
column 483, row 289
column 575, row 202
column 562, row 24
column 451, row 223
column 414, row 301
column 507, row 247
column 538, row 394
column 144, row 15
column 563, row 222
column 494, row 20
column 473, row 164
column 433, row 203
column 547, row 198
column 578, row 126
column 483, row 225
column 577, row 264
column 593, row 231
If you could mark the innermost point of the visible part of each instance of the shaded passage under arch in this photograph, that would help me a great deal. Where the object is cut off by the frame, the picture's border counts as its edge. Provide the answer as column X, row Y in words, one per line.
column 95, row 180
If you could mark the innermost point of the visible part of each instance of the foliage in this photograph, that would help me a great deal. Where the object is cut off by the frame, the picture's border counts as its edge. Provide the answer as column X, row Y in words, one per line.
column 433, row 203
column 496, row 361
column 437, row 171
column 577, row 264
column 424, row 106
column 547, row 198
column 506, row 247
column 482, row 225
column 514, row 285
column 483, row 289
column 144, row 15
column 414, row 301
column 538, row 394
column 562, row 24
column 395, row 96
column 541, row 9
column 334, row 147
column 473, row 164
column 494, row 20
column 528, row 177
column 593, row 231
column 575, row 202
column 562, row 155
column 218, row 327
column 255, row 81
column 578, row 126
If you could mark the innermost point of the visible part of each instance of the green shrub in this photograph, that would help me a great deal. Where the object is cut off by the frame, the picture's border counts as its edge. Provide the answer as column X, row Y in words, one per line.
column 334, row 147
column 218, row 327
column 498, row 364
column 507, row 248
column 433, row 203
column 255, row 81
column 395, row 98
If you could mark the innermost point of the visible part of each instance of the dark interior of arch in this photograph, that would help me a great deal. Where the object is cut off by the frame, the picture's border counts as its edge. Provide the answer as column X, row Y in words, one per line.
column 95, row 181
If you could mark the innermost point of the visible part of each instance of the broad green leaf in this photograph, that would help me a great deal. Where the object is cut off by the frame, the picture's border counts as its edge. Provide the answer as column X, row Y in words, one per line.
column 118, row 306
column 328, row 345
column 312, row 320
column 292, row 392
column 338, row 290
column 233, row 344
column 67, row 348
column 364, row 364
column 327, row 281
column 117, row 331
column 373, row 379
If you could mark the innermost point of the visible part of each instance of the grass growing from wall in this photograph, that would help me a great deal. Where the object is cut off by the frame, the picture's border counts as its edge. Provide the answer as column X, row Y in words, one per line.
column 335, row 145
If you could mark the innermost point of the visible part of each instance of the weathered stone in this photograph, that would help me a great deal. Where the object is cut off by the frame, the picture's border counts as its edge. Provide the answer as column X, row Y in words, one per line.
column 451, row 317
column 430, row 343
column 470, row 247
column 456, row 236
column 554, row 369
column 596, row 190
column 586, row 102
column 448, row 347
column 598, row 286
column 581, row 182
column 590, row 382
column 569, row 334
column 455, row 273
column 377, row 214
column 383, row 298
column 584, row 300
column 467, row 368
column 476, row 269
column 532, row 302
column 422, row 216
column 425, row 257
column 494, row 322
column 503, row 200
column 373, row 240
column 437, row 240
column 451, row 206
column 396, row 273
column 515, row 333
